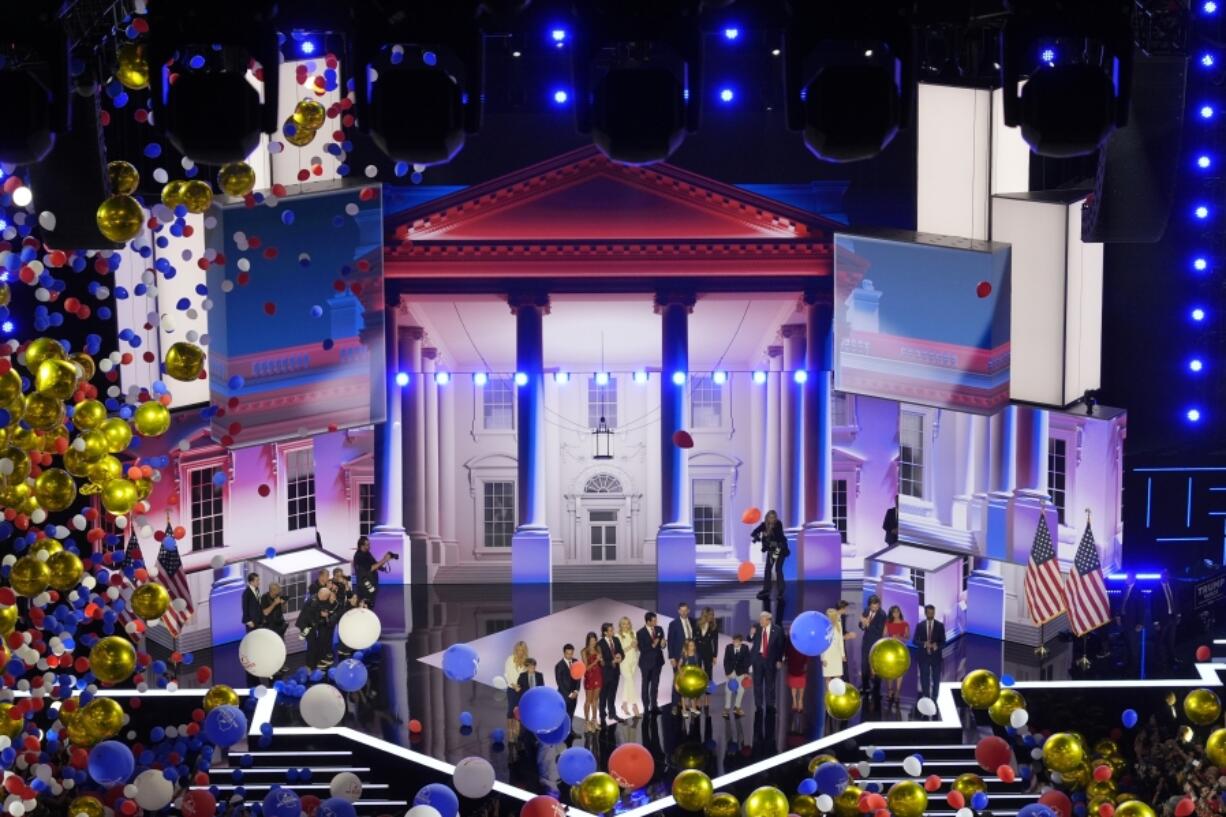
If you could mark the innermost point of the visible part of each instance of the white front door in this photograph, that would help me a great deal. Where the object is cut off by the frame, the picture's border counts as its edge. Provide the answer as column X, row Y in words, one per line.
column 602, row 535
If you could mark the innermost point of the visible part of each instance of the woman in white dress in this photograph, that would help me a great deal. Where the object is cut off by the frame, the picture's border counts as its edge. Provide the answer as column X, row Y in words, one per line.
column 516, row 664
column 628, row 689
column 835, row 655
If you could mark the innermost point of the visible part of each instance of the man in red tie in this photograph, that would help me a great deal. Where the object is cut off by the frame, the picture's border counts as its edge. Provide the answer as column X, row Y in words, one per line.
column 767, row 659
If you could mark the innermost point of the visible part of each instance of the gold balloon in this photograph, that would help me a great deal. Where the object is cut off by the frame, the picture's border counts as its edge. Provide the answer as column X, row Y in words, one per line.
column 8, row 619
column 1202, row 707
column 889, row 658
column 120, row 218
column 1215, row 745
column 968, row 784
column 92, row 446
column 1063, row 753
column 86, row 806
column 30, row 576
column 105, row 470
column 117, row 432
column 598, row 792
column 15, row 496
column 88, row 414
column 980, row 689
column 80, row 734
column 184, row 361
column 1079, row 776
column 66, row 570
column 23, row 438
column 41, row 349
column 86, row 363
column 43, row 411
column 21, row 464
column 1009, row 701
column 55, row 489
column 842, row 707
column 6, row 294
column 133, row 70
column 57, row 378
column 690, row 755
column 151, row 419
column 102, row 716
column 690, row 681
column 1134, row 808
column 144, row 487
column 123, row 177
column 236, row 178
column 847, row 804
column 10, row 388
column 150, row 600
column 119, row 496
column 907, row 799
column 1124, row 797
column 692, row 790
column 172, row 193
column 723, row 804
column 1106, row 747
column 1100, row 790
column 219, row 695
column 819, row 760
column 51, row 546
column 297, row 135
column 805, row 805
column 766, row 801
column 113, row 659
column 309, row 114
column 197, row 195
column 10, row 727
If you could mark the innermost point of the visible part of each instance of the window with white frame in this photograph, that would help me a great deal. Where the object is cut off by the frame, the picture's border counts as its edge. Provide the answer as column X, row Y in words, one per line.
column 840, row 410
column 300, row 487
column 498, row 513
column 708, row 511
column 917, row 579
column 206, row 511
column 602, row 402
column 911, row 454
column 366, row 508
column 498, row 404
column 838, row 507
column 1057, row 474
column 294, row 590
column 706, row 403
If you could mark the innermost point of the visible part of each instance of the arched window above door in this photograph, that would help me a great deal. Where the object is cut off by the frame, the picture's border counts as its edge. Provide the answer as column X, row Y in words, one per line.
column 603, row 484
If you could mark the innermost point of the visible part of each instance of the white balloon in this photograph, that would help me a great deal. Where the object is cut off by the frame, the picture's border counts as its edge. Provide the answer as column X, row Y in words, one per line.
column 359, row 628
column 926, row 706
column 261, row 652
column 837, row 686
column 322, row 706
column 964, row 812
column 153, row 791
column 217, row 562
column 474, row 777
column 423, row 811
column 863, row 768
column 1019, row 718
column 348, row 786
column 825, row 803
column 499, row 682
column 912, row 766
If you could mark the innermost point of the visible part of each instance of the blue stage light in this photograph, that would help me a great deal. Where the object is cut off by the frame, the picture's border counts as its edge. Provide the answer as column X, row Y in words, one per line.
column 1203, row 162
column 1209, row 7
column 561, row 377
column 1197, row 314
column 402, row 379
column 480, row 378
column 558, row 35
column 759, row 377
column 1206, row 60
column 678, row 378
column 442, row 378
column 1206, row 111
column 7, row 326
column 1048, row 55
column 731, row 33
column 1196, row 364
column 429, row 58
column 307, row 47
column 560, row 97
column 1200, row 264
column 521, row 379
column 1193, row 415
column 800, row 375
column 726, row 95
column 640, row 376
column 719, row 378
column 602, row 378
column 1201, row 211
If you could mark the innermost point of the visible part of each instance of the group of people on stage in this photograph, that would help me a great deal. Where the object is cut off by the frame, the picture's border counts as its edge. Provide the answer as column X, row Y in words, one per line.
column 928, row 638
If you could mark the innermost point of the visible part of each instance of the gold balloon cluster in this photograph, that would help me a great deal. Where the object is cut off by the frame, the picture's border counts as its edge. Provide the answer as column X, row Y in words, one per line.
column 133, row 70
column 236, row 178
column 194, row 194
column 690, row 681
column 308, row 117
column 692, row 790
column 980, row 689
column 597, row 793
column 184, row 361
column 9, row 727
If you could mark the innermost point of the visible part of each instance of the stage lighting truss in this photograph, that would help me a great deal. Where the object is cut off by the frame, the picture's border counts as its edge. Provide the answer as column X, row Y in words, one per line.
column 1070, row 104
column 201, row 58
column 34, row 85
column 849, row 76
column 637, row 71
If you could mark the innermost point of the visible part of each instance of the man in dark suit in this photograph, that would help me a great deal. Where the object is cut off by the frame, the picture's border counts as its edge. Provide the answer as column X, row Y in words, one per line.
column 611, row 671
column 890, row 523
column 930, row 639
column 1164, row 604
column 873, row 625
column 651, row 660
column 1130, row 618
column 253, row 616
column 530, row 678
column 767, row 659
column 680, row 630
column 567, row 685
column 736, row 668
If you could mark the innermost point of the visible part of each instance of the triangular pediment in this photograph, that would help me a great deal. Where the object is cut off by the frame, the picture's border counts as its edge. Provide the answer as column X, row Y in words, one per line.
column 582, row 196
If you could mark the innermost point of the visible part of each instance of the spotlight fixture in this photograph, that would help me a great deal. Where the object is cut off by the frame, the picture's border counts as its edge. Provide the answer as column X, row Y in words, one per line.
column 560, row 97
column 1193, row 415
column 759, row 377
column 678, row 378
column 402, row 379
column 1200, row 264
column 726, row 95
column 1197, row 314
column 442, row 378
column 849, row 76
column 1068, row 109
column 1206, row 111
column 480, row 378
column 602, row 378
column 731, row 33
column 640, row 376
column 1196, row 364
column 521, row 379
column 200, row 54
column 34, row 85
column 800, row 376
column 561, row 377
column 719, row 377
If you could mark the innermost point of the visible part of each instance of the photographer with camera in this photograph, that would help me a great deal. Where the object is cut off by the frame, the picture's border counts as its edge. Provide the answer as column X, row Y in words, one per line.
column 775, row 546
column 366, row 583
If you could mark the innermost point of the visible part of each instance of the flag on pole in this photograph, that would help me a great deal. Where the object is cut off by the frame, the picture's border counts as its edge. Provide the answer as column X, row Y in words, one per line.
column 1044, row 592
column 1088, row 608
column 131, row 557
column 132, row 554
column 175, row 581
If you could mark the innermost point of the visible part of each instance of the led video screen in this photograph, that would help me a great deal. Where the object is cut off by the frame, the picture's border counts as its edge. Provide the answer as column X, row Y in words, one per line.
column 923, row 319
column 296, row 328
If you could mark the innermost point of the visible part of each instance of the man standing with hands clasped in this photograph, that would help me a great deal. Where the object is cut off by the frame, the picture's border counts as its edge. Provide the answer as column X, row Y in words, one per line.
column 567, row 684
column 680, row 630
column 651, row 660
column 767, row 659
column 930, row 639
column 611, row 655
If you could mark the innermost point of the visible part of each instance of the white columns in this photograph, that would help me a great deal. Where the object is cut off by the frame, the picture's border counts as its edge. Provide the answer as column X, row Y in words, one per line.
column 413, row 406
column 791, row 503
column 773, row 463
column 447, row 473
column 429, row 367
column 821, row 546
column 389, row 454
column 1030, row 497
column 675, row 545
column 531, row 551
column 1000, row 482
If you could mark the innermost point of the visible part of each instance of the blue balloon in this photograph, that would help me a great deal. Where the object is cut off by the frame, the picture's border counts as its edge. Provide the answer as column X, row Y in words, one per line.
column 350, row 675
column 439, row 796
column 460, row 662
column 498, row 736
column 541, row 709
column 336, row 807
column 111, row 763
column 225, row 725
column 555, row 736
column 1035, row 810
column 1129, row 718
column 831, row 778
column 575, row 764
column 466, row 719
column 979, row 801
column 811, row 633
column 733, row 684
column 807, row 786
column 282, row 802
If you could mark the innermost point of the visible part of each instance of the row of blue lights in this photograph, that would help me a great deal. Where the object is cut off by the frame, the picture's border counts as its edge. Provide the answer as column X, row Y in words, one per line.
column 719, row 377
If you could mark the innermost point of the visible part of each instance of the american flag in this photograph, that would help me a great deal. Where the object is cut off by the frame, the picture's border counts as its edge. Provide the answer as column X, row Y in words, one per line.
column 132, row 554
column 1044, row 593
column 175, row 581
column 131, row 557
column 1088, row 608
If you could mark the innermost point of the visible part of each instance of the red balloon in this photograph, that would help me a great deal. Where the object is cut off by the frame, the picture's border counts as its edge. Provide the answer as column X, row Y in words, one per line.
column 1106, row 810
column 1203, row 653
column 875, row 801
column 682, row 439
column 576, row 670
column 309, row 803
column 751, row 516
column 1185, row 807
column 983, row 289
column 745, row 571
column 955, row 799
column 1058, row 802
column 1102, row 773
column 542, row 806
column 631, row 766
column 198, row 803
column 932, row 782
column 993, row 752
column 263, row 490
column 747, row 682
column 1006, row 774
column 415, row 726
